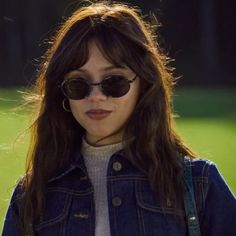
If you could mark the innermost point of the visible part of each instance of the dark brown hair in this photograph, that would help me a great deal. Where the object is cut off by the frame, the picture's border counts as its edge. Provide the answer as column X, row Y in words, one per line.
column 124, row 38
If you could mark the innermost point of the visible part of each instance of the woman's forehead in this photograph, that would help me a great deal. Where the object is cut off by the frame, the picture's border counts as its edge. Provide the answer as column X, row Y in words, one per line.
column 100, row 57
column 110, row 54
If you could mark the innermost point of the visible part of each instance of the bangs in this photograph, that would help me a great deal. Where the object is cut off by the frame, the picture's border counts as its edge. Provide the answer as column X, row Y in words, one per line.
column 117, row 41
column 118, row 49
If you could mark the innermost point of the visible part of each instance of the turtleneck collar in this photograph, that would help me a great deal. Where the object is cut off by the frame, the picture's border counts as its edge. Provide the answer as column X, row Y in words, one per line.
column 101, row 152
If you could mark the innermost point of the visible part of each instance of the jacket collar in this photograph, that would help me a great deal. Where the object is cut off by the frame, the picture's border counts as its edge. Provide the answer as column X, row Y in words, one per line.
column 77, row 162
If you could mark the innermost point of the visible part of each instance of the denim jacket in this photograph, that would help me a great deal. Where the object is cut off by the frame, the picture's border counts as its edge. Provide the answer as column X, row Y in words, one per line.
column 134, row 210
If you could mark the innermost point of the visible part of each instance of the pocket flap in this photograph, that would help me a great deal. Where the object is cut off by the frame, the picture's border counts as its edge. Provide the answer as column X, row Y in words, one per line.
column 56, row 208
column 147, row 199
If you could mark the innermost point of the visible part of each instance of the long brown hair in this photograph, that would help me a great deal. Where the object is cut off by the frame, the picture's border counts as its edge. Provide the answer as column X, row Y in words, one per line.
column 124, row 38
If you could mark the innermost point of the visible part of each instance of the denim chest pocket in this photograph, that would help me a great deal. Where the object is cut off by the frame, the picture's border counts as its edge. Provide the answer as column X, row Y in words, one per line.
column 154, row 219
column 57, row 208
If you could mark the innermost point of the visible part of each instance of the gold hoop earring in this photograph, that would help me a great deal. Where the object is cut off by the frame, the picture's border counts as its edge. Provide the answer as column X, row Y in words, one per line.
column 64, row 105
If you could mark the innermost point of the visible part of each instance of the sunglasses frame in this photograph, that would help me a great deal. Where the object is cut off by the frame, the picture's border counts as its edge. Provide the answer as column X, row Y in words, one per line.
column 90, row 85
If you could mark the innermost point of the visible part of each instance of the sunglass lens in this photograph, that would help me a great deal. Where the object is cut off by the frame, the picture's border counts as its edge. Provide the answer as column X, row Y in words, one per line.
column 115, row 86
column 76, row 89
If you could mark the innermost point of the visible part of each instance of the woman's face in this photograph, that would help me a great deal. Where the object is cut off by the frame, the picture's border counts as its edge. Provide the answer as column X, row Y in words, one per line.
column 98, row 114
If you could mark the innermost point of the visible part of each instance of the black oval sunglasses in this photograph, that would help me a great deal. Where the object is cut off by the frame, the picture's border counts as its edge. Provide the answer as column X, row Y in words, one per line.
column 79, row 88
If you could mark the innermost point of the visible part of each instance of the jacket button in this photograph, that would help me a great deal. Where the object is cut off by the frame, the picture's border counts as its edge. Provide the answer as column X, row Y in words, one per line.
column 117, row 166
column 116, row 201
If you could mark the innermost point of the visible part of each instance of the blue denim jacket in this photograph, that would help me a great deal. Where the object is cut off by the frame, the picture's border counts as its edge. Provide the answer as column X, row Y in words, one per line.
column 133, row 208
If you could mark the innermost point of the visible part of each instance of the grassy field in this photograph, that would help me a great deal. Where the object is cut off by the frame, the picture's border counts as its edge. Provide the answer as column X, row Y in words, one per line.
column 206, row 120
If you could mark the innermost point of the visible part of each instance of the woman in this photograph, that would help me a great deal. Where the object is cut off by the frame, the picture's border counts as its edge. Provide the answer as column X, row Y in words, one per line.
column 105, row 158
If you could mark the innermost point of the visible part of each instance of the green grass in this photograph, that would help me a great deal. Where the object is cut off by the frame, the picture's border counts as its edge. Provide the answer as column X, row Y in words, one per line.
column 214, row 140
column 207, row 122
column 13, row 145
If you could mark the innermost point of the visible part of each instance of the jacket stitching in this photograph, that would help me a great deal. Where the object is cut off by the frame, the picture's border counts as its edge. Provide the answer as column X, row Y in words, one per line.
column 43, row 224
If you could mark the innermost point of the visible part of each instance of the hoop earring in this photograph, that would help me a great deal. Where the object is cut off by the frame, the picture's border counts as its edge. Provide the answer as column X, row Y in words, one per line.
column 64, row 105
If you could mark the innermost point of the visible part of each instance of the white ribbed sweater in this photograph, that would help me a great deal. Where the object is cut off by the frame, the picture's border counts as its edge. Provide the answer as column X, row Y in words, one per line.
column 96, row 161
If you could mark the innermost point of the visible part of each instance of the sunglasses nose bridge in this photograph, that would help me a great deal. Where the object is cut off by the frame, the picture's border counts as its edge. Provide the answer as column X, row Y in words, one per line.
column 99, row 85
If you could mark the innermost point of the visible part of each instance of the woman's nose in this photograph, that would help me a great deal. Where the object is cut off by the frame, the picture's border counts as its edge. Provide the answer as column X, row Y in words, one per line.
column 96, row 94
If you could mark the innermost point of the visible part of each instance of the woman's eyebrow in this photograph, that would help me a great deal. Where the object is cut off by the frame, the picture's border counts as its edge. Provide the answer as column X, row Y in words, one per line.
column 112, row 67
column 106, row 68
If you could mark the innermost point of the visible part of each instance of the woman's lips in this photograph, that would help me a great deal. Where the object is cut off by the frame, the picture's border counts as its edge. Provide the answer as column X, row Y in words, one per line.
column 98, row 114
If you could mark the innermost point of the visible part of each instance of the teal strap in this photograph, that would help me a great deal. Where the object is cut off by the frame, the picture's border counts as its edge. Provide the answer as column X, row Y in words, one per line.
column 189, row 200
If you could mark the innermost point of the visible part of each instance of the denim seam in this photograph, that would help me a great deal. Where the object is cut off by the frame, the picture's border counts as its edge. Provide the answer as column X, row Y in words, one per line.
column 140, row 216
column 62, row 174
column 205, row 174
column 159, row 209
column 63, row 228
column 90, row 220
column 200, row 179
column 126, row 177
column 56, row 219
column 71, row 192
column 141, row 202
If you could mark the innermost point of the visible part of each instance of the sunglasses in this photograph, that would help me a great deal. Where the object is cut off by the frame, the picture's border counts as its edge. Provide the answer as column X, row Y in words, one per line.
column 114, row 86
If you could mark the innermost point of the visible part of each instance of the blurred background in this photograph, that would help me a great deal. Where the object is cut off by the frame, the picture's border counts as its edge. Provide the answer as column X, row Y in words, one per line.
column 199, row 35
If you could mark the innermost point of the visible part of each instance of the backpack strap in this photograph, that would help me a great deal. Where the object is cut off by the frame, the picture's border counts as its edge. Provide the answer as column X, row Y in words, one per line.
column 189, row 200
